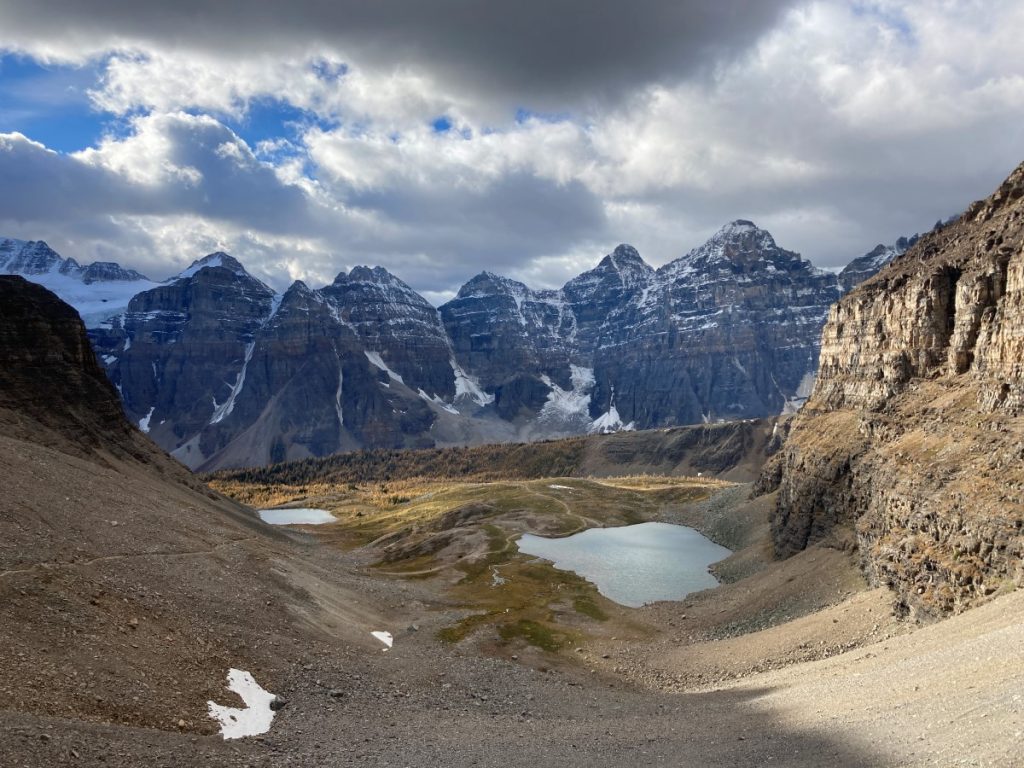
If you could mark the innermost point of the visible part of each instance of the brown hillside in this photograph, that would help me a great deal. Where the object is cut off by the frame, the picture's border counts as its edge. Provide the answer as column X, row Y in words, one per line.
column 733, row 450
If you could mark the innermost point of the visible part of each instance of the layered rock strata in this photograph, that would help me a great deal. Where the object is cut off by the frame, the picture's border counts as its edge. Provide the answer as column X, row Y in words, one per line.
column 914, row 435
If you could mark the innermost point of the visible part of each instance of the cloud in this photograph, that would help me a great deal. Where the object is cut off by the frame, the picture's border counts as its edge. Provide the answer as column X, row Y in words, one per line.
column 834, row 124
column 177, row 185
column 541, row 55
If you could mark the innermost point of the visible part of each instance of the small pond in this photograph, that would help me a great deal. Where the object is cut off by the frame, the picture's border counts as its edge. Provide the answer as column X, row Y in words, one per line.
column 298, row 516
column 634, row 564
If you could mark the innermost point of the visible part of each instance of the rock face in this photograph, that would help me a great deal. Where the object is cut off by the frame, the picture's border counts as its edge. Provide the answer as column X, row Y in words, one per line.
column 913, row 436
column 49, row 377
column 222, row 371
column 396, row 325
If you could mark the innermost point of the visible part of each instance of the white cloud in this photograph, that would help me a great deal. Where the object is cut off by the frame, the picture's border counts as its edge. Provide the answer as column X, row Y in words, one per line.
column 847, row 124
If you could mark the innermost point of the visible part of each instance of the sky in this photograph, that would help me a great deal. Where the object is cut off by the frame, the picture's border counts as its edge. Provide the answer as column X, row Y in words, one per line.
column 441, row 138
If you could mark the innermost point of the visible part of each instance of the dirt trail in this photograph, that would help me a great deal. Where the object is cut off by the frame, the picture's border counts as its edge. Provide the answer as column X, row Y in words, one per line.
column 124, row 556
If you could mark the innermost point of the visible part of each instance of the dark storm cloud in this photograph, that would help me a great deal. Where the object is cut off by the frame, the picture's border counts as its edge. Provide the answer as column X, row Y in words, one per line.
column 538, row 54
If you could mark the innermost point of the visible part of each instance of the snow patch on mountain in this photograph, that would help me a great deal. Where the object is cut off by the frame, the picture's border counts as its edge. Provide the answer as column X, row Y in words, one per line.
column 610, row 421
column 337, row 395
column 568, row 405
column 467, row 386
column 803, row 392
column 223, row 411
column 439, row 402
column 144, row 421
column 376, row 360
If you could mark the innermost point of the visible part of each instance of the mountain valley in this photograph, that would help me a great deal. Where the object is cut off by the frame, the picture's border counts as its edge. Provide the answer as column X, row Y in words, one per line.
column 130, row 587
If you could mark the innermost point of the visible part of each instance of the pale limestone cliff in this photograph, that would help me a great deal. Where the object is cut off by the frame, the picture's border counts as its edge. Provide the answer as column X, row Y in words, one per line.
column 914, row 435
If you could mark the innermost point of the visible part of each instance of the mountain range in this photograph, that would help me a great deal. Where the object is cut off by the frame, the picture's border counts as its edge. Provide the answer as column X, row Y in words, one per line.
column 221, row 370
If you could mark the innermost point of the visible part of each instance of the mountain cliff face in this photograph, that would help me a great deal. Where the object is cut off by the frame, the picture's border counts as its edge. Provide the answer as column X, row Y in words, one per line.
column 223, row 371
column 728, row 331
column 913, row 436
column 217, row 368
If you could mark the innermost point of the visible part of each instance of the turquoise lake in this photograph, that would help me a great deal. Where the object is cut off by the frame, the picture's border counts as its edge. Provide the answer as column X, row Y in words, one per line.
column 634, row 564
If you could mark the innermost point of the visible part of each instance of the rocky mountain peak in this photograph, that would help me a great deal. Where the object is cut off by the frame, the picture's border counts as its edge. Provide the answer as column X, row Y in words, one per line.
column 622, row 268
column 109, row 271
column 489, row 284
column 625, row 264
column 860, row 269
column 741, row 237
column 374, row 285
column 34, row 257
column 215, row 259
column 297, row 291
column 740, row 247
column 377, row 275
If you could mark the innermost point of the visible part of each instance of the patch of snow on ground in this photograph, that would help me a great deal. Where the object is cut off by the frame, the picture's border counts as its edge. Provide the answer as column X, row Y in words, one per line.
column 384, row 637
column 561, row 487
column 378, row 361
column 144, row 421
column 254, row 719
column 496, row 578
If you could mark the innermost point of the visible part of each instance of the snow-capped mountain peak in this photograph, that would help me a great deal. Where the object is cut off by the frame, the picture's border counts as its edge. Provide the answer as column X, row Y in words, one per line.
column 98, row 291
column 216, row 259
column 33, row 257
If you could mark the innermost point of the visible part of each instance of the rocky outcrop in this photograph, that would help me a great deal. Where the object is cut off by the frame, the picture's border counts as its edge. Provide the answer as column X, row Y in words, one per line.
column 913, row 436
column 52, row 389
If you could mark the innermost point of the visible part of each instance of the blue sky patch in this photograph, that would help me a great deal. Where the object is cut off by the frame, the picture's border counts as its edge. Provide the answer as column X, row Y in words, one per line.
column 50, row 104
